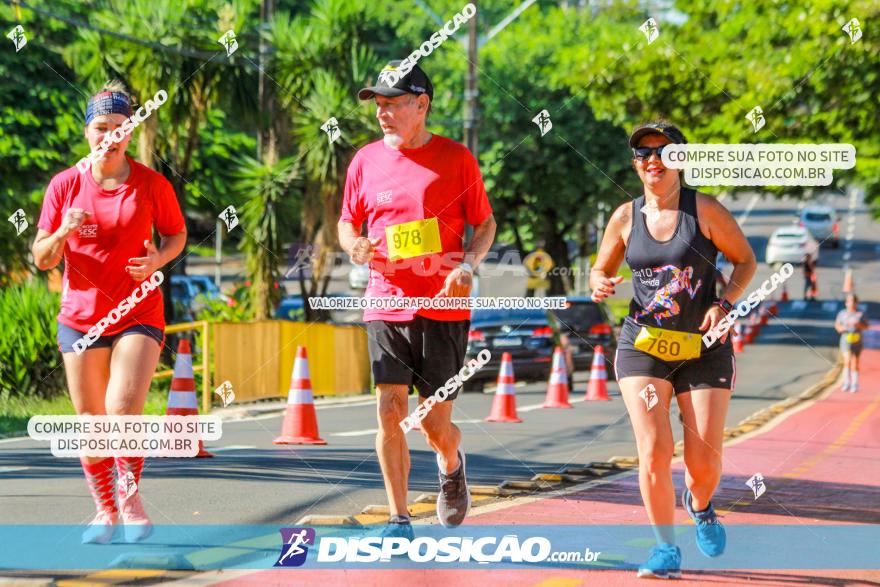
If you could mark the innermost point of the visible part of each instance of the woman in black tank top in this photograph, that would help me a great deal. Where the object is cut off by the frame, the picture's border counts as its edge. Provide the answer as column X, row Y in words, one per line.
column 670, row 237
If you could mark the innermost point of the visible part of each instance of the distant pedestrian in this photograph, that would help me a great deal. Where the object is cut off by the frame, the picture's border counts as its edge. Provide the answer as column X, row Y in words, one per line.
column 849, row 323
column 811, row 287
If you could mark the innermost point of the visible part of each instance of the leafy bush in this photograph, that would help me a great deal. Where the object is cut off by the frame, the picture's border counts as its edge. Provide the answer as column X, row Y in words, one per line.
column 30, row 364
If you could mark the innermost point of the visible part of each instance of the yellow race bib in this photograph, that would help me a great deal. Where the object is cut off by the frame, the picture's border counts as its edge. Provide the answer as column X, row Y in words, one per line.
column 668, row 345
column 412, row 239
column 853, row 337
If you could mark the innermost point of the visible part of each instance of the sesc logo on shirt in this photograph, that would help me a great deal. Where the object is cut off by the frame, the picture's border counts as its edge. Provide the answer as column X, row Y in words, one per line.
column 88, row 231
column 383, row 197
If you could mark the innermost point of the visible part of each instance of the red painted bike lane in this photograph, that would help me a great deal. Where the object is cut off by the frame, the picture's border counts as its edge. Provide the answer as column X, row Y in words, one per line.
column 819, row 463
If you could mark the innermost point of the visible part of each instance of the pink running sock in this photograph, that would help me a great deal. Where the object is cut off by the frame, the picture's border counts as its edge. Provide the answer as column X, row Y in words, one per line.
column 102, row 484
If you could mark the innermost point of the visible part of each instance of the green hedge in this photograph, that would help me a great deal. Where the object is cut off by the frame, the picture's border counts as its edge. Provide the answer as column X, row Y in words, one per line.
column 30, row 364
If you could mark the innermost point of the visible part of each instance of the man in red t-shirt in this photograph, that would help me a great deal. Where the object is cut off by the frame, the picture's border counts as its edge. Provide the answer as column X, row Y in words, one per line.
column 416, row 191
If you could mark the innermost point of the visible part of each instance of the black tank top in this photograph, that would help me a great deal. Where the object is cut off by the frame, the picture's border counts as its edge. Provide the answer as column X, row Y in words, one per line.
column 673, row 280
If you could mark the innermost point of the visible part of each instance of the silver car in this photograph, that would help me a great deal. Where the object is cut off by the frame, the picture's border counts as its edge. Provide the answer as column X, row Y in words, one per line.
column 822, row 222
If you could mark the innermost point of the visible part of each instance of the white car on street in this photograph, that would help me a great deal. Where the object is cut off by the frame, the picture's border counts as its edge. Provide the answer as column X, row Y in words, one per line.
column 822, row 222
column 791, row 244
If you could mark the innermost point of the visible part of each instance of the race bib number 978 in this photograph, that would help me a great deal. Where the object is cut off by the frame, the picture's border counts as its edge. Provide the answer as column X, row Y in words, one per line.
column 412, row 239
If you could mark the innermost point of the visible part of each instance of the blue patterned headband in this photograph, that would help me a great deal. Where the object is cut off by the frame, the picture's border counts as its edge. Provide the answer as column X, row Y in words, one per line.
column 107, row 103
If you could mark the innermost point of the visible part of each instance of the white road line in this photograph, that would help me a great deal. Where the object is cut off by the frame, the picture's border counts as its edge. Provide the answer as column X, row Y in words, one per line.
column 369, row 431
column 233, row 447
column 751, row 205
column 534, row 407
column 12, row 469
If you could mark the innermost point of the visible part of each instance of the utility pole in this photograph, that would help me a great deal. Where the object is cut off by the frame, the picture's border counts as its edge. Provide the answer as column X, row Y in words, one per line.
column 266, row 144
column 471, row 94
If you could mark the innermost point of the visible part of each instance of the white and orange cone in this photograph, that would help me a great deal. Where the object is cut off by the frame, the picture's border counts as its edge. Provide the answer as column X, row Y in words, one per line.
column 504, row 403
column 557, row 387
column 738, row 343
column 597, row 388
column 764, row 313
column 182, row 399
column 300, row 424
column 783, row 297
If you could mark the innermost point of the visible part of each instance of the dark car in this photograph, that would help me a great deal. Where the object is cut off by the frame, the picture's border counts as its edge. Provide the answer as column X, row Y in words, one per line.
column 528, row 335
column 587, row 324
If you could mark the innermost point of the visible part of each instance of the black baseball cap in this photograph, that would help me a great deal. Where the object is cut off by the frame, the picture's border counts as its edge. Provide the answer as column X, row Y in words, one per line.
column 670, row 131
column 414, row 82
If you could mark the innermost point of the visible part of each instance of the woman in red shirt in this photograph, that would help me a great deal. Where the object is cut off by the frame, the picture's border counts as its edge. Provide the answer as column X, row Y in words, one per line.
column 111, row 324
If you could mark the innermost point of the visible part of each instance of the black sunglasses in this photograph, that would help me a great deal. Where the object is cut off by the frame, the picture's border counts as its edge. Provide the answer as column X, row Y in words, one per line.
column 643, row 153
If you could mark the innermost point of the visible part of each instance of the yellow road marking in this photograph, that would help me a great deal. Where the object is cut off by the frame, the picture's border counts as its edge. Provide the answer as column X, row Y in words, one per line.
column 559, row 582
column 839, row 443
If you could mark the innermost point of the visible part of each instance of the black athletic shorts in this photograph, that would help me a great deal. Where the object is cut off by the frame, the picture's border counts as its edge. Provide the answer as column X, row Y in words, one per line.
column 716, row 367
column 67, row 336
column 421, row 353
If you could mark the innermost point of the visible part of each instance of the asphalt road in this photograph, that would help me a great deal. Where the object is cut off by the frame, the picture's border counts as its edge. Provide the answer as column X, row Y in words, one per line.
column 252, row 481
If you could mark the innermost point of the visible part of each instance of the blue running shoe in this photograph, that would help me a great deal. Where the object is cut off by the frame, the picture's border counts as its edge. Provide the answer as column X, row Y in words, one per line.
column 664, row 563
column 711, row 537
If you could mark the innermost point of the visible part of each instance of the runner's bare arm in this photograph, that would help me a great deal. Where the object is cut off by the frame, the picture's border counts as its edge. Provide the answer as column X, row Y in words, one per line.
column 727, row 235
column 48, row 247
column 358, row 247
column 482, row 239
column 458, row 282
column 603, row 275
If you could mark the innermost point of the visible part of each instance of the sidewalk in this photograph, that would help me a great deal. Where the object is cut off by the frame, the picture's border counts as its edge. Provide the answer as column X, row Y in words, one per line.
column 819, row 463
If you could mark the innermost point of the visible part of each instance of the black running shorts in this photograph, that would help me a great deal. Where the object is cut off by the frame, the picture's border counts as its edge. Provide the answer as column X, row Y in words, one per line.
column 716, row 366
column 713, row 369
column 421, row 353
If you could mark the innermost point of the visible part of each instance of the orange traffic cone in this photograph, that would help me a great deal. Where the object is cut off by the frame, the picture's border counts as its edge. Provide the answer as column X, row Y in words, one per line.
column 504, row 404
column 784, row 295
column 738, row 344
column 765, row 314
column 848, row 285
column 300, row 420
column 756, row 325
column 557, row 387
column 182, row 397
column 749, row 337
column 597, row 388
column 774, row 308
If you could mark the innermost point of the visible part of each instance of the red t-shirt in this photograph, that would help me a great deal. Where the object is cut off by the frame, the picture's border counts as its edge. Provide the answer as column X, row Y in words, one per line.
column 388, row 187
column 95, row 256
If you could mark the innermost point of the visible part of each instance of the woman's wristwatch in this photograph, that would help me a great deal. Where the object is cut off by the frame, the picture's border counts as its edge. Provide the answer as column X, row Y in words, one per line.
column 724, row 305
column 467, row 267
